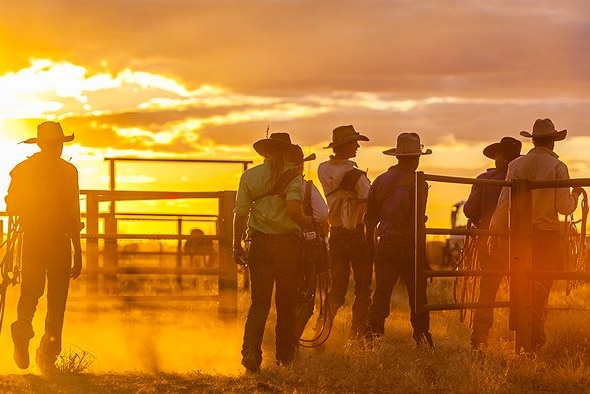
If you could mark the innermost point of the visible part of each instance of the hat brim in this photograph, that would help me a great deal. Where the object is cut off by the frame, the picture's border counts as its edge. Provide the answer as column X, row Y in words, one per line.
column 394, row 152
column 557, row 136
column 65, row 138
column 491, row 150
column 266, row 145
column 357, row 137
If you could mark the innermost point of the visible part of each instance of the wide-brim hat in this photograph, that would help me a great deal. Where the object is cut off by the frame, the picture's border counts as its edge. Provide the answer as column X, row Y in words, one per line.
column 344, row 134
column 510, row 148
column 276, row 141
column 49, row 132
column 544, row 128
column 408, row 144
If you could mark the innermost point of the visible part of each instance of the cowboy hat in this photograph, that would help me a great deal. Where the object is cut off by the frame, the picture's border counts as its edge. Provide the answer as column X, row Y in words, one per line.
column 276, row 141
column 544, row 128
column 343, row 134
column 408, row 144
column 49, row 132
column 510, row 147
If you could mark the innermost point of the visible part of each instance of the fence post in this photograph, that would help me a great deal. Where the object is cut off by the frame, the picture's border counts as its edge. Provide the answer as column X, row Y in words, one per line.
column 228, row 271
column 520, row 265
column 419, row 236
column 92, row 241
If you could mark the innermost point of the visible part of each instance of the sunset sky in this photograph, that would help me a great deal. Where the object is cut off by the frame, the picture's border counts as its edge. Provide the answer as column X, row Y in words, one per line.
column 204, row 79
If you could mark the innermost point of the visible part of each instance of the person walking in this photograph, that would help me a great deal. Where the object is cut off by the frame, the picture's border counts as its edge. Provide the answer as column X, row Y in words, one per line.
column 44, row 194
column 391, row 217
column 346, row 188
column 268, row 208
column 540, row 163
column 479, row 208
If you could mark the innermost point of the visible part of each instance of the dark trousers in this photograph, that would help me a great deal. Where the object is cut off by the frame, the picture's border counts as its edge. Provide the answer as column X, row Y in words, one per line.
column 44, row 255
column 483, row 319
column 348, row 250
column 273, row 259
column 394, row 258
column 546, row 254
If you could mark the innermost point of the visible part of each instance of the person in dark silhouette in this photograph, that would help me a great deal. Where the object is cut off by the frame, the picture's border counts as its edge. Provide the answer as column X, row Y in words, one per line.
column 391, row 207
column 198, row 245
column 346, row 188
column 268, row 206
column 43, row 193
column 540, row 163
column 479, row 208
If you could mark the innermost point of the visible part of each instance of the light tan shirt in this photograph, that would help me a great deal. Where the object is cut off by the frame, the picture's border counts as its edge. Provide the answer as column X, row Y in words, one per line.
column 346, row 208
column 538, row 164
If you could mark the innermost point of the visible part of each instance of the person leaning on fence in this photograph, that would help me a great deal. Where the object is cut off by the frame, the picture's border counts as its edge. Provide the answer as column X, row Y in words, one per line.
column 390, row 217
column 346, row 188
column 540, row 163
column 479, row 208
column 268, row 206
column 43, row 193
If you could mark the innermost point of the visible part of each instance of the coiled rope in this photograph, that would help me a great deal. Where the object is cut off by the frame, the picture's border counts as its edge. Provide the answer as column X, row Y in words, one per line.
column 10, row 265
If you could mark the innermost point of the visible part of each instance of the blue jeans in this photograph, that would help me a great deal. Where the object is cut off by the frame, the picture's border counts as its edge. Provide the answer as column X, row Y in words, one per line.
column 273, row 259
column 394, row 259
column 348, row 250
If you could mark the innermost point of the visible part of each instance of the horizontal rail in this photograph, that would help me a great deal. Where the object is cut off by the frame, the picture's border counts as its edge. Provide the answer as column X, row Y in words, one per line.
column 558, row 183
column 454, row 274
column 143, row 298
column 467, row 305
column 170, row 160
column 145, row 236
column 151, row 271
column 560, row 275
column 464, row 231
column 468, row 181
column 128, row 195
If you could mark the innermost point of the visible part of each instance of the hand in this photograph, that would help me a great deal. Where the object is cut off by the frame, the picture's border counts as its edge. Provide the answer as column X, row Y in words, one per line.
column 77, row 267
column 240, row 255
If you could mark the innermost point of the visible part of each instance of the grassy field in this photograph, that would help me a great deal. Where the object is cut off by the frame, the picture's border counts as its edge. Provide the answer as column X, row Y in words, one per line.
column 155, row 352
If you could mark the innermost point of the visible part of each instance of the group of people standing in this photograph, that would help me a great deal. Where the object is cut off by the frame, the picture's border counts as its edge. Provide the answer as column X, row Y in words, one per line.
column 371, row 229
column 372, row 233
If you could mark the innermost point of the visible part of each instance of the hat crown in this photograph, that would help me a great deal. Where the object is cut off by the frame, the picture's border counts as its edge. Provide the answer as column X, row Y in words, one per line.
column 342, row 133
column 543, row 127
column 49, row 131
column 281, row 136
column 409, row 143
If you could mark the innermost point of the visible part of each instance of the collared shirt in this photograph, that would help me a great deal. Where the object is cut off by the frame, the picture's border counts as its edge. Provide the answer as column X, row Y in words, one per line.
column 391, row 203
column 267, row 215
column 482, row 201
column 44, row 193
column 351, row 204
column 539, row 163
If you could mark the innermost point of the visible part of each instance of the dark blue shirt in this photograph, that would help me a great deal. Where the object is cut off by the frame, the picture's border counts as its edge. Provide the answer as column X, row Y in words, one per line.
column 481, row 204
column 391, row 202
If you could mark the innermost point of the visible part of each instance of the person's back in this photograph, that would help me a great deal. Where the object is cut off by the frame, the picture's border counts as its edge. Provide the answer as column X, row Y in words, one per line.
column 43, row 193
column 393, row 211
column 540, row 163
column 346, row 189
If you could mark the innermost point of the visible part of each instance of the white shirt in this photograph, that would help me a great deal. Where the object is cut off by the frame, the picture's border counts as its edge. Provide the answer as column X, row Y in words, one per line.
column 330, row 174
column 539, row 163
column 319, row 208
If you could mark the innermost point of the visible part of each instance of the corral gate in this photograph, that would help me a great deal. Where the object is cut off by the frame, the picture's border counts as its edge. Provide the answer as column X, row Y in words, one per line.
column 520, row 271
